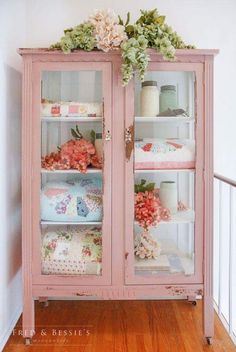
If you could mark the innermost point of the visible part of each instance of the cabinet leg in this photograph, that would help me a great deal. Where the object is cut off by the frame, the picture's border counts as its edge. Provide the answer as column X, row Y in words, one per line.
column 192, row 299
column 44, row 301
column 209, row 340
column 27, row 341
column 208, row 318
column 28, row 321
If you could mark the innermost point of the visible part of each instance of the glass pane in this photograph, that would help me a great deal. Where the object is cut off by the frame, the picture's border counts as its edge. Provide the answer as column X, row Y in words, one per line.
column 72, row 172
column 164, row 175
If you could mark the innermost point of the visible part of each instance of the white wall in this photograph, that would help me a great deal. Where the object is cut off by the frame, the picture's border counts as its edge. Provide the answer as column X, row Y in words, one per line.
column 207, row 24
column 12, row 19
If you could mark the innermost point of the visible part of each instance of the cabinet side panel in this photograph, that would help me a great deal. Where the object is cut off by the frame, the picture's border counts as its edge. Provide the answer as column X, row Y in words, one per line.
column 208, row 320
column 118, row 178
column 28, row 303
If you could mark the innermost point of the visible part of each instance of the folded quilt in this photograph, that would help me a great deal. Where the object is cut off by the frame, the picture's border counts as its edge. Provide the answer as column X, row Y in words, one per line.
column 79, row 200
column 72, row 251
column 70, row 109
column 164, row 154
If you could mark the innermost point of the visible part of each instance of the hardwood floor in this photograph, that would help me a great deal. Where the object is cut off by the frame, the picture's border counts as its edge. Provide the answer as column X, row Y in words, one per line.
column 120, row 326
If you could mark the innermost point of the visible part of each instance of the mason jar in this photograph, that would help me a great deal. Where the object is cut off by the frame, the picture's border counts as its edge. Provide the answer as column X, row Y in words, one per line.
column 168, row 98
column 149, row 99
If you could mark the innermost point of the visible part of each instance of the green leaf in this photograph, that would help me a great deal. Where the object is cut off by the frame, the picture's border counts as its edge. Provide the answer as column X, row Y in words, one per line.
column 78, row 132
column 120, row 20
column 129, row 29
column 68, row 30
column 74, row 134
column 127, row 20
column 143, row 187
column 150, row 186
column 160, row 19
column 93, row 136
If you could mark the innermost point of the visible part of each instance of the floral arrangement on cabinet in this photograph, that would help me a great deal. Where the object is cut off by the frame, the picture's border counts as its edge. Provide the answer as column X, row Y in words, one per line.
column 104, row 30
column 77, row 154
column 148, row 212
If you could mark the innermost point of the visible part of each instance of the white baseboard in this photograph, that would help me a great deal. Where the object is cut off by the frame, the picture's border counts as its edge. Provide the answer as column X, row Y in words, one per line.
column 7, row 333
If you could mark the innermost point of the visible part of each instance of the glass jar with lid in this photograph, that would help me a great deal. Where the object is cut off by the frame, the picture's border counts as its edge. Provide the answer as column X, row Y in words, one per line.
column 149, row 99
column 168, row 98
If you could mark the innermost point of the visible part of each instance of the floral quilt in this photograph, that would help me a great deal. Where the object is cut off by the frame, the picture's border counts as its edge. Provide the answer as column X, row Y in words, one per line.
column 72, row 251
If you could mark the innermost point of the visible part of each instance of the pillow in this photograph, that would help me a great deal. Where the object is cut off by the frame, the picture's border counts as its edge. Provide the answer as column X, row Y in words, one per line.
column 79, row 200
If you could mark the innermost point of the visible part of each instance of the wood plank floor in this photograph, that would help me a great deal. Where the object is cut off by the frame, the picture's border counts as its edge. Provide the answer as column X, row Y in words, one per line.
column 120, row 326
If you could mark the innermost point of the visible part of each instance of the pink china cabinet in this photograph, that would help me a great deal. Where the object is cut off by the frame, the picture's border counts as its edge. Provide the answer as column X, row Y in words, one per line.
column 99, row 177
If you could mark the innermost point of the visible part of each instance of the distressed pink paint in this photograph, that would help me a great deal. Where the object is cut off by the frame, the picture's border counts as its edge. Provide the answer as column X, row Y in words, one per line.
column 118, row 280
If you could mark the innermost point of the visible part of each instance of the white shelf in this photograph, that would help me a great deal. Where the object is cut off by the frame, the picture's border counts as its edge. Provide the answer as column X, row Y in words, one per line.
column 70, row 223
column 171, row 119
column 89, row 171
column 71, row 119
column 142, row 267
column 181, row 217
column 150, row 171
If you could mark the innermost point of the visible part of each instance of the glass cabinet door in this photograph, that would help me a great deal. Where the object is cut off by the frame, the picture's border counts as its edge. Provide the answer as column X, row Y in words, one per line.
column 73, row 231
column 164, row 177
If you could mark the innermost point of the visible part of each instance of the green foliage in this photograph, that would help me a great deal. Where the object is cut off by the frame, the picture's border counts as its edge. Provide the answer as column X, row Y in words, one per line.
column 76, row 133
column 149, row 31
column 143, row 187
column 93, row 136
column 134, row 58
column 79, row 37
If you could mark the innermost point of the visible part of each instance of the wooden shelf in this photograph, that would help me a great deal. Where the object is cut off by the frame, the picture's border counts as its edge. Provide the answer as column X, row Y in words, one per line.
column 166, row 119
column 181, row 217
column 89, row 171
column 70, row 223
column 71, row 119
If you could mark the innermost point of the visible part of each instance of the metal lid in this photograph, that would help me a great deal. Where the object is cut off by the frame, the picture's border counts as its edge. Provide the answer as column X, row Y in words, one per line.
column 149, row 84
column 168, row 87
column 98, row 135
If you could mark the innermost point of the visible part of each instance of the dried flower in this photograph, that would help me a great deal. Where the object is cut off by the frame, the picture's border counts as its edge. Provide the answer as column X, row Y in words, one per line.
column 148, row 209
column 75, row 154
column 146, row 247
column 108, row 33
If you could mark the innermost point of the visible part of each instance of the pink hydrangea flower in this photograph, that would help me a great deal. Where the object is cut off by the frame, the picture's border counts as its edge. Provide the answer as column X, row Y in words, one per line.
column 108, row 33
column 74, row 154
column 148, row 209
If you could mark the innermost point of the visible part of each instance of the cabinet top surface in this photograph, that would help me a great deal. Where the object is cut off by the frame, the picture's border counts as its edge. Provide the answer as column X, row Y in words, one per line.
column 179, row 52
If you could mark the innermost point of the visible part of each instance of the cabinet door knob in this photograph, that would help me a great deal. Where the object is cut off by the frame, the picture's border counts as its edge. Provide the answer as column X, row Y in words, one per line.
column 108, row 136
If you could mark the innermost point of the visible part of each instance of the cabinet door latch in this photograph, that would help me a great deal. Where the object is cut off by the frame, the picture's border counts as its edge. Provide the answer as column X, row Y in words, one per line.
column 108, row 136
column 129, row 141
